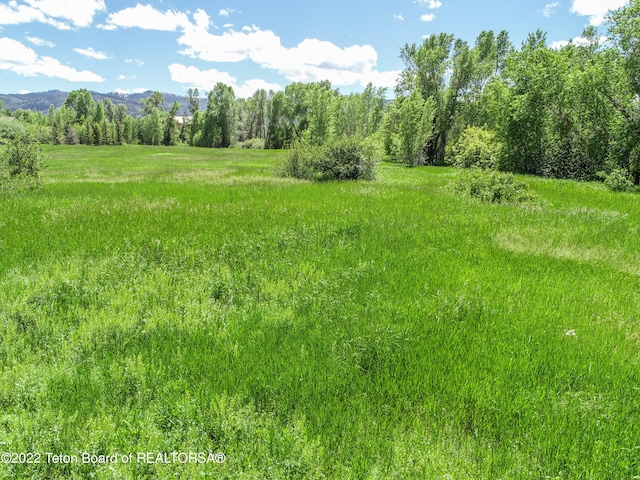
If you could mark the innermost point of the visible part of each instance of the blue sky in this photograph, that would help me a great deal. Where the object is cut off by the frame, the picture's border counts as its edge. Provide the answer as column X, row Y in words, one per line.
column 170, row 45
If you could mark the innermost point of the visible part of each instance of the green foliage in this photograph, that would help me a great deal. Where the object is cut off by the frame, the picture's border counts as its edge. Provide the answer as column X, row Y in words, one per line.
column 493, row 187
column 476, row 147
column 219, row 119
column 82, row 102
column 20, row 163
column 617, row 180
column 337, row 159
column 448, row 72
column 409, row 128
column 11, row 129
column 255, row 143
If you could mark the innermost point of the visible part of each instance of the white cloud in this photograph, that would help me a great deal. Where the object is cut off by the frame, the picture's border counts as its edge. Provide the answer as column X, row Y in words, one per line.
column 580, row 41
column 137, row 61
column 311, row 60
column 398, row 16
column 231, row 46
column 124, row 77
column 427, row 17
column 432, row 4
column 148, row 18
column 13, row 14
column 122, row 91
column 91, row 53
column 201, row 19
column 17, row 58
column 79, row 12
column 39, row 42
column 596, row 9
column 206, row 79
column 225, row 12
column 550, row 8
column 228, row 25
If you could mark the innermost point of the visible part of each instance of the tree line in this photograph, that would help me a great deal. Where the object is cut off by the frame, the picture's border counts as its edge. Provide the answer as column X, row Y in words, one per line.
column 570, row 112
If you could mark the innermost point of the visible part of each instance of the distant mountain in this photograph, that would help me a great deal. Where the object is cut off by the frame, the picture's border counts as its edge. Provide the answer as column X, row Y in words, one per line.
column 41, row 100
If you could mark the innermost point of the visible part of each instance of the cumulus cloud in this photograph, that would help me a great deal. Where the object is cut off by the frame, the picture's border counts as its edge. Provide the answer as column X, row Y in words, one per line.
column 124, row 77
column 225, row 12
column 91, row 53
column 205, row 80
column 39, row 42
column 61, row 14
column 398, row 16
column 550, row 8
column 596, row 9
column 580, row 41
column 311, row 60
column 14, row 14
column 148, row 18
column 427, row 17
column 432, row 4
column 20, row 59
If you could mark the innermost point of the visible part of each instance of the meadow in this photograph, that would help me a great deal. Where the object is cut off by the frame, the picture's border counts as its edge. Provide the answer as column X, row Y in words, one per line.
column 186, row 300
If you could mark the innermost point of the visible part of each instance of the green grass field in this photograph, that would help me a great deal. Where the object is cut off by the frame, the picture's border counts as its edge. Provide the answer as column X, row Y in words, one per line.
column 186, row 300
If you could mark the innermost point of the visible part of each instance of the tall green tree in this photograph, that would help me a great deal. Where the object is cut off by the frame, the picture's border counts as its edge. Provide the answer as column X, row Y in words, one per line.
column 155, row 100
column 219, row 125
column 82, row 102
column 409, row 127
column 280, row 131
column 624, row 28
column 320, row 99
column 171, row 127
column 441, row 69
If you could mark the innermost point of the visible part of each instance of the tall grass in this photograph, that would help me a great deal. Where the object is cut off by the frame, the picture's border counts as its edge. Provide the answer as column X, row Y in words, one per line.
column 161, row 300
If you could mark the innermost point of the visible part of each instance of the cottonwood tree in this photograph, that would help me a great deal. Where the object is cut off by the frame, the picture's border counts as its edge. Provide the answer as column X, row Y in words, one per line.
column 171, row 128
column 81, row 102
column 319, row 101
column 444, row 70
column 409, row 127
column 624, row 28
column 219, row 123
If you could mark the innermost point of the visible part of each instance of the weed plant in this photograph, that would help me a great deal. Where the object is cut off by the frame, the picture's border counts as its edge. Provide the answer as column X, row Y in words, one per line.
column 185, row 300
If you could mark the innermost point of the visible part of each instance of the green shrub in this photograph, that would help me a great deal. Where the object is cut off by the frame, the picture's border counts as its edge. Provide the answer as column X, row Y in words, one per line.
column 20, row 163
column 252, row 143
column 617, row 180
column 11, row 129
column 493, row 187
column 338, row 159
column 476, row 147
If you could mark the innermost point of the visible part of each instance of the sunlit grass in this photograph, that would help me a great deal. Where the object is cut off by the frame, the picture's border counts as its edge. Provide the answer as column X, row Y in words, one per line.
column 161, row 300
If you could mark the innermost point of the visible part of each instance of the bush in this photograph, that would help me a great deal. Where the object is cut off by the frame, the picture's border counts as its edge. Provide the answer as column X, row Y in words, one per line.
column 476, row 147
column 493, row 187
column 11, row 129
column 252, row 143
column 618, row 180
column 339, row 159
column 20, row 163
